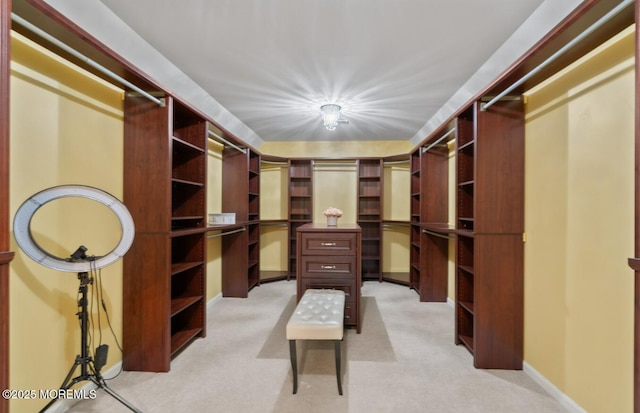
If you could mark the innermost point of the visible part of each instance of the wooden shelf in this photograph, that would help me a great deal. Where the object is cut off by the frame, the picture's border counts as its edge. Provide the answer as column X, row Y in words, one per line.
column 179, row 304
column 466, row 268
column 182, row 338
column 467, row 306
column 179, row 267
column 468, row 342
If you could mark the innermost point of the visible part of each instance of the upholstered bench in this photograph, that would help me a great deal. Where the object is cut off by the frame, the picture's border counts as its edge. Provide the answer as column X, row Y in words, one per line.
column 318, row 316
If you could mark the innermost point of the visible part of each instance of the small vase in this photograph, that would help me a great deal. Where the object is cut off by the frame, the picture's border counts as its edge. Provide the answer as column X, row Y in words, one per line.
column 332, row 221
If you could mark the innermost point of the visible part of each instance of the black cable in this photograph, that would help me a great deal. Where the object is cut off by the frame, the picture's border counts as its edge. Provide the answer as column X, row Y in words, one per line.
column 98, row 281
column 106, row 313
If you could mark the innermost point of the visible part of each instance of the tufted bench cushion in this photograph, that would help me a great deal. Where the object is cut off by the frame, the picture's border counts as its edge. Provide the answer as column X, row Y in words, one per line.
column 319, row 315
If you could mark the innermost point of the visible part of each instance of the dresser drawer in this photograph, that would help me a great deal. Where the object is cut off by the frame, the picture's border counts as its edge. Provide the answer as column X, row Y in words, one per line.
column 322, row 266
column 328, row 243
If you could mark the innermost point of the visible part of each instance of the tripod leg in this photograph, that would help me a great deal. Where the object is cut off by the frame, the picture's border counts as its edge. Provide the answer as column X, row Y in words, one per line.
column 66, row 384
column 100, row 382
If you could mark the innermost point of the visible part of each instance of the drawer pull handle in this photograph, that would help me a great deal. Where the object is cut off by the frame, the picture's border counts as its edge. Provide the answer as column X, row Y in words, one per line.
column 328, row 267
column 328, row 244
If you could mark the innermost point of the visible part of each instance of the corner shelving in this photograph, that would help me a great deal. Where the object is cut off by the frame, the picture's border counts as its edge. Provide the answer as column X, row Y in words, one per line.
column 429, row 222
column 370, row 181
column 300, row 203
column 414, row 210
column 241, row 195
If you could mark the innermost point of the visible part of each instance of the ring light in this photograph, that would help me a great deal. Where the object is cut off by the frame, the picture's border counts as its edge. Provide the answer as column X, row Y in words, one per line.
column 22, row 228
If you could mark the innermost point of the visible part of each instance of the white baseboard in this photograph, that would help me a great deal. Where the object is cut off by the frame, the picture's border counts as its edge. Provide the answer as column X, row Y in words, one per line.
column 543, row 382
column 550, row 388
column 213, row 301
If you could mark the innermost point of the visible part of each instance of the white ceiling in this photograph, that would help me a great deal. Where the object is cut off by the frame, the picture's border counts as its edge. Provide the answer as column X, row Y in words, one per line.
column 263, row 68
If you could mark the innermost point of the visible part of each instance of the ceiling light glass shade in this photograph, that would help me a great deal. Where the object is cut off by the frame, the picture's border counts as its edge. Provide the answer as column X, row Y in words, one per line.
column 330, row 116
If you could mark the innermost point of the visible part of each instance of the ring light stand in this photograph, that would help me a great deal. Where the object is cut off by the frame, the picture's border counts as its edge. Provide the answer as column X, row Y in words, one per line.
column 82, row 264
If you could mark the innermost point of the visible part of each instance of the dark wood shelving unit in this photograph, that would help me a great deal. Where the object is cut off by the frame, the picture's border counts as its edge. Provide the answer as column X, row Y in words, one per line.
column 414, row 211
column 370, row 202
column 164, row 273
column 429, row 222
column 241, row 195
column 300, row 203
column 489, row 231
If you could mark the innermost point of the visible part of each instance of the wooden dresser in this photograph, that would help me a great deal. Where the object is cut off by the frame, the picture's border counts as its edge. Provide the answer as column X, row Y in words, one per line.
column 330, row 257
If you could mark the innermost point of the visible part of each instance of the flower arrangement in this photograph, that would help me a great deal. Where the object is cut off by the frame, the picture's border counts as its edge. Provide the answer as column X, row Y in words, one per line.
column 332, row 212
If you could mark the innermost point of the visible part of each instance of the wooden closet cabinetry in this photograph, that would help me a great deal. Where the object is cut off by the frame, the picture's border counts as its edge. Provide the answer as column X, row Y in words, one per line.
column 489, row 234
column 370, row 201
column 429, row 223
column 241, row 195
column 330, row 257
column 164, row 275
column 300, row 203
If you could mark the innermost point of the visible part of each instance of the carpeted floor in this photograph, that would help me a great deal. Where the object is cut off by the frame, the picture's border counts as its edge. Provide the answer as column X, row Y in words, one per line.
column 403, row 361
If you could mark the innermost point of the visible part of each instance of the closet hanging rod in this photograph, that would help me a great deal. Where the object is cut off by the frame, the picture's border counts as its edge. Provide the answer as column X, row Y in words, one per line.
column 562, row 50
column 435, row 234
column 227, row 233
column 440, row 139
column 274, row 162
column 395, row 224
column 274, row 224
column 226, row 142
column 396, row 162
column 334, row 163
column 22, row 22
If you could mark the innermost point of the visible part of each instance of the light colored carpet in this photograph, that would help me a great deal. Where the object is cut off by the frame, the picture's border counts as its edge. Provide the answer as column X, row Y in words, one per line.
column 403, row 361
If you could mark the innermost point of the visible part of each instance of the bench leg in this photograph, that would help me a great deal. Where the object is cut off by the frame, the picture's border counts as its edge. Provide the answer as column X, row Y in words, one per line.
column 338, row 365
column 294, row 364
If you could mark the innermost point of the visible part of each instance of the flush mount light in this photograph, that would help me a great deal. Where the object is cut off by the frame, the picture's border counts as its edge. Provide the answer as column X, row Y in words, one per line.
column 331, row 116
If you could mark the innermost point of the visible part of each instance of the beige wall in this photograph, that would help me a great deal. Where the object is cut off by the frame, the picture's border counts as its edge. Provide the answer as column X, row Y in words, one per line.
column 579, row 224
column 336, row 149
column 274, row 238
column 66, row 128
column 395, row 238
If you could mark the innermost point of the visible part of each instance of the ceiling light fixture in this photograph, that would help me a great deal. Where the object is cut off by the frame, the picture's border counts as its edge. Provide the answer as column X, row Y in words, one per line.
column 331, row 116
